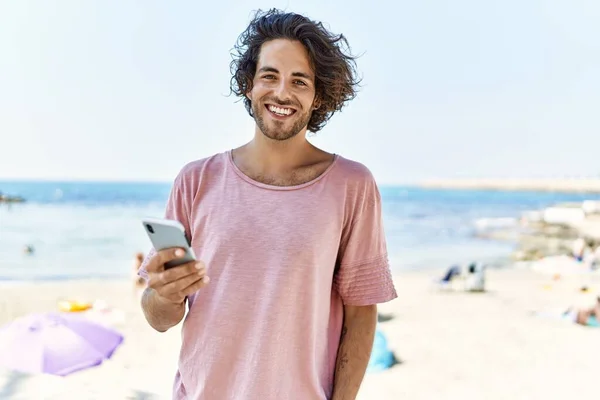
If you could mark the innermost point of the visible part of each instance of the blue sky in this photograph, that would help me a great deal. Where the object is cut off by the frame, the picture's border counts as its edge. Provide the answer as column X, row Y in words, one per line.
column 132, row 90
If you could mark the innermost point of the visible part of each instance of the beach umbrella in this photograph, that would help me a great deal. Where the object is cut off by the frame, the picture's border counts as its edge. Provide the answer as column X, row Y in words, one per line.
column 55, row 343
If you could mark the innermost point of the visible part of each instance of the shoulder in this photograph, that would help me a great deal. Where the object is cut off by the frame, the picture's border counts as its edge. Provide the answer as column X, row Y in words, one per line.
column 202, row 169
column 357, row 192
column 197, row 172
column 194, row 168
column 355, row 175
column 360, row 191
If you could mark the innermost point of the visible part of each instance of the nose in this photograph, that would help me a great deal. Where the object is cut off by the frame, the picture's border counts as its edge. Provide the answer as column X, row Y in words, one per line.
column 282, row 90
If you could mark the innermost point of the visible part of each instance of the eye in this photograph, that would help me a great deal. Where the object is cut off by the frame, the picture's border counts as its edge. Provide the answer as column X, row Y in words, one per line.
column 300, row 83
column 269, row 77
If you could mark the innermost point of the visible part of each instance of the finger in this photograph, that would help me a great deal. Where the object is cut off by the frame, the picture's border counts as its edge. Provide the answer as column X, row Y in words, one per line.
column 191, row 268
column 160, row 280
column 164, row 256
column 193, row 288
column 154, row 264
column 179, row 285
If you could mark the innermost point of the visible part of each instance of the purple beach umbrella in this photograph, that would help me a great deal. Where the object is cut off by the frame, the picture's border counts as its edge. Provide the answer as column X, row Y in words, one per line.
column 55, row 343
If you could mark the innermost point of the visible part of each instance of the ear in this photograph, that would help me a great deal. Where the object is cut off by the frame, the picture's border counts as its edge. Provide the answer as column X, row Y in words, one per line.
column 316, row 104
column 249, row 86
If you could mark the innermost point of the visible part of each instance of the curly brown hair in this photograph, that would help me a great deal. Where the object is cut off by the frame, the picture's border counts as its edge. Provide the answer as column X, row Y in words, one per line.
column 333, row 65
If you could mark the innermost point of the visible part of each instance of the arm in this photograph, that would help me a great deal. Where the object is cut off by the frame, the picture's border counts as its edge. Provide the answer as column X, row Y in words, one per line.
column 161, row 315
column 362, row 279
column 356, row 343
column 163, row 301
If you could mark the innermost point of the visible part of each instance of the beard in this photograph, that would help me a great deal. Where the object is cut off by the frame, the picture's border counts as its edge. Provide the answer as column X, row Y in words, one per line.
column 279, row 130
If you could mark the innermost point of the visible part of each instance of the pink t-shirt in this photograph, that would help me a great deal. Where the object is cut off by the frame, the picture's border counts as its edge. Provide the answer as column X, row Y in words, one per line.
column 283, row 261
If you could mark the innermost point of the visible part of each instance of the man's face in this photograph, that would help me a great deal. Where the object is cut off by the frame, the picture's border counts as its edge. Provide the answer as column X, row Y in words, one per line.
column 283, row 91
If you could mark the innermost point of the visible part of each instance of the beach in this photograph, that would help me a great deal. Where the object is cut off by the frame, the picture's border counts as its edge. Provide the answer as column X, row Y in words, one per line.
column 451, row 345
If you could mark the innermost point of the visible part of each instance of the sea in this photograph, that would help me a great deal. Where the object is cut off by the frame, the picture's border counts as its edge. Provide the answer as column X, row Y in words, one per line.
column 82, row 230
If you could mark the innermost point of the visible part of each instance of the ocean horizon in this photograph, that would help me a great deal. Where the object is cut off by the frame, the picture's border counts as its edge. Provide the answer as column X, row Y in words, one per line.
column 81, row 230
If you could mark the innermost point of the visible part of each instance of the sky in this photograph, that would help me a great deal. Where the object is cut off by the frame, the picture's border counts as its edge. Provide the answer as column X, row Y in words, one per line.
column 133, row 90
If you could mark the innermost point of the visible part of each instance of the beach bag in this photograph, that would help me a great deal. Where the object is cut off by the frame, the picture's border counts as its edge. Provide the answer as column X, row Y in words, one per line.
column 381, row 356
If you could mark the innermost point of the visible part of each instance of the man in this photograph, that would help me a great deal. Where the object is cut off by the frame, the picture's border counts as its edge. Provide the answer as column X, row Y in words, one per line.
column 290, row 235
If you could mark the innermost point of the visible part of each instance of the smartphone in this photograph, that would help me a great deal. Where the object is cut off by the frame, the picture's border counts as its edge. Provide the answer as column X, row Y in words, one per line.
column 166, row 234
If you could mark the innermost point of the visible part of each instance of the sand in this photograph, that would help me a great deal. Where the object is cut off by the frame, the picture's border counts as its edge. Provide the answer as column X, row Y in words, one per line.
column 451, row 345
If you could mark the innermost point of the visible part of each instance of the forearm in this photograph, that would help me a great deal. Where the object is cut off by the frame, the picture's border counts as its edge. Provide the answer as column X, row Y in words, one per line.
column 161, row 315
column 356, row 343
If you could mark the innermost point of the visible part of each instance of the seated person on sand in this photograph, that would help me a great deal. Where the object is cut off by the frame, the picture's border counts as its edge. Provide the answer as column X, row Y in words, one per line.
column 587, row 316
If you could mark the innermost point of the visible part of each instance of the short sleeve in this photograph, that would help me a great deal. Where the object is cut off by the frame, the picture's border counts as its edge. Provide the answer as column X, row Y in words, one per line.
column 363, row 276
column 177, row 208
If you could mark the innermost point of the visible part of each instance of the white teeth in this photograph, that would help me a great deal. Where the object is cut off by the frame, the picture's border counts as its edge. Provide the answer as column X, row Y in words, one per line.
column 280, row 111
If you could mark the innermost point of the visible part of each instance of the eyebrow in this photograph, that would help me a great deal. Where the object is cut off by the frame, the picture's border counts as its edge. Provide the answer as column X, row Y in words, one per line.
column 274, row 70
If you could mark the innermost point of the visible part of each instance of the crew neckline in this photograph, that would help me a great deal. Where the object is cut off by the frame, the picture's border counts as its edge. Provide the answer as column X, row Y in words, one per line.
column 275, row 187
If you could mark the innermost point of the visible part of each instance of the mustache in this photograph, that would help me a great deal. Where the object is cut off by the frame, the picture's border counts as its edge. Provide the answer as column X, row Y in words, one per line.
column 282, row 103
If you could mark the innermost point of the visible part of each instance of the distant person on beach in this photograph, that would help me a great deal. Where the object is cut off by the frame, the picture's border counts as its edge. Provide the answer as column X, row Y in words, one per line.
column 291, row 235
column 28, row 250
column 138, row 281
column 586, row 316
column 595, row 258
column 579, row 248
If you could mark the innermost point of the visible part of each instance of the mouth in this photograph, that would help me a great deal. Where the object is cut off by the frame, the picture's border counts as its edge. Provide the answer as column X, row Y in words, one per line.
column 280, row 112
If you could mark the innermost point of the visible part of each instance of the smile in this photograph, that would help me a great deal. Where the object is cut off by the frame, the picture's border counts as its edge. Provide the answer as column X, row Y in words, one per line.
column 280, row 112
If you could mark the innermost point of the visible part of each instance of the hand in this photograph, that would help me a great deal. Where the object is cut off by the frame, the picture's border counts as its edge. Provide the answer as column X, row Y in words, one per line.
column 175, row 284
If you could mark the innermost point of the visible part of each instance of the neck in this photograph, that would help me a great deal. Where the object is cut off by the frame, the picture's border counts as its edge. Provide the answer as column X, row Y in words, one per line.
column 275, row 156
